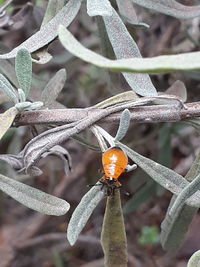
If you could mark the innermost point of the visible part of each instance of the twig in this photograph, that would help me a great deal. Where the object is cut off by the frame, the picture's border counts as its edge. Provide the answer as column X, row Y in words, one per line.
column 141, row 114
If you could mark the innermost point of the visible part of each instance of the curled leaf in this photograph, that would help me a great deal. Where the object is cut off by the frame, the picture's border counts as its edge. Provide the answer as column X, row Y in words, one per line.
column 33, row 198
column 82, row 212
column 6, row 120
column 171, row 8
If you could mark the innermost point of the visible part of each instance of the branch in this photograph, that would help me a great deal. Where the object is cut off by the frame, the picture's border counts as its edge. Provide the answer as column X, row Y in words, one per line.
column 139, row 114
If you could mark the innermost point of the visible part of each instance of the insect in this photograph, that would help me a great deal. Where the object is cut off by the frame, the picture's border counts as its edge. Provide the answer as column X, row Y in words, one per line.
column 115, row 162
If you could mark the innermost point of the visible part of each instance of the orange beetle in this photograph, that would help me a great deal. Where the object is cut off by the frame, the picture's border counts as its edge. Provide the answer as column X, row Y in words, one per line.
column 114, row 162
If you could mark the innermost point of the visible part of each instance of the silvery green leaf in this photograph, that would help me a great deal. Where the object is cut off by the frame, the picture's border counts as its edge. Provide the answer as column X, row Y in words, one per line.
column 8, row 90
column 33, row 198
column 99, row 8
column 99, row 137
column 171, row 8
column 194, row 261
column 23, row 68
column 53, row 88
column 82, row 212
column 22, row 96
column 123, row 125
column 127, row 48
column 185, row 61
column 22, row 106
column 188, row 191
column 166, row 177
column 174, row 228
column 49, row 31
column 6, row 120
column 29, row 105
column 105, row 135
column 52, row 9
column 127, row 11
column 178, row 89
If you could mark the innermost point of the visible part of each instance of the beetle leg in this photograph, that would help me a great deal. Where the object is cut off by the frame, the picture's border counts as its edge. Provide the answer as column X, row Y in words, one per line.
column 130, row 167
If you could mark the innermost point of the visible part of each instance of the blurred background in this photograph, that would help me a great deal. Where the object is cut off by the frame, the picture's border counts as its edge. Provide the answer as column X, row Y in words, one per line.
column 28, row 238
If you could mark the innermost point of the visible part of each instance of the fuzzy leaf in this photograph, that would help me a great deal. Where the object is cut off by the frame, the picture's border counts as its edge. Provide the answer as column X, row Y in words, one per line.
column 194, row 261
column 49, row 31
column 8, row 90
column 52, row 9
column 127, row 48
column 167, row 178
column 123, row 125
column 99, row 8
column 171, row 8
column 23, row 68
column 82, row 213
column 174, row 228
column 53, row 87
column 185, row 61
column 33, row 198
column 127, row 11
column 6, row 120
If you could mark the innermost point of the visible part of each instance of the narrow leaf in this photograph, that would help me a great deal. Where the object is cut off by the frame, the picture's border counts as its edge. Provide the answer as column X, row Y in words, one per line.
column 6, row 120
column 33, row 198
column 167, row 178
column 99, row 8
column 8, row 90
column 53, row 88
column 82, row 213
column 185, row 61
column 23, row 68
column 123, row 125
column 171, row 8
column 127, row 11
column 127, row 48
column 174, row 228
column 52, row 9
column 49, row 31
